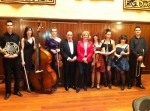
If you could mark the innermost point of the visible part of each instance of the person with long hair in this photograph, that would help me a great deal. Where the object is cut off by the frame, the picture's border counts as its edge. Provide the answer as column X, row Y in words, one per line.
column 109, row 45
column 120, row 61
column 53, row 46
column 84, row 59
column 28, row 46
column 98, row 64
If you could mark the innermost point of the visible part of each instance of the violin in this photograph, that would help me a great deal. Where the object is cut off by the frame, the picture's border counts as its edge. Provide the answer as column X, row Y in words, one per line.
column 96, row 63
column 58, row 58
column 58, row 62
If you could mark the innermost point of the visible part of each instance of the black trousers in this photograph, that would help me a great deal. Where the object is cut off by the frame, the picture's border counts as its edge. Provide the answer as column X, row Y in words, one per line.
column 84, row 70
column 69, row 72
column 132, row 74
column 12, row 65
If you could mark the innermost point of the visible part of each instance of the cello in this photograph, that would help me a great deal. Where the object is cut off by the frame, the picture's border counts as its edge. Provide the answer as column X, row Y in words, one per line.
column 43, row 77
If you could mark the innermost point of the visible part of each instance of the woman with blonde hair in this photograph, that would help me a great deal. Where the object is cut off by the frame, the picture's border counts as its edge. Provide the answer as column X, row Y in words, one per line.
column 84, row 58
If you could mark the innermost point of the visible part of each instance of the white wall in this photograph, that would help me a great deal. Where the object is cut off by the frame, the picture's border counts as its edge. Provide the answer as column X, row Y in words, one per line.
column 76, row 9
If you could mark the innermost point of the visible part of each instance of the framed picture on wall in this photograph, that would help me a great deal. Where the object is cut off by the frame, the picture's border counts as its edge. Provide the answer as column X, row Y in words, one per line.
column 136, row 4
column 49, row 2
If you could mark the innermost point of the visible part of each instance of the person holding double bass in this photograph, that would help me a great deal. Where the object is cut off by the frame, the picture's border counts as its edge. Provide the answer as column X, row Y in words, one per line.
column 11, row 59
column 52, row 45
column 68, row 50
column 138, row 51
column 98, row 64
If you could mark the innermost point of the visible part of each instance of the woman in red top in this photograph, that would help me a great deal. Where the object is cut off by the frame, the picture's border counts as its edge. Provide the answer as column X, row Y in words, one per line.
column 98, row 61
column 84, row 52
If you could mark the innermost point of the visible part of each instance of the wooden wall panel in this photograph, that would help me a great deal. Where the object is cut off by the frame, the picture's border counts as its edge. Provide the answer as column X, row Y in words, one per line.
column 94, row 27
column 77, row 27
column 63, row 27
column 119, row 29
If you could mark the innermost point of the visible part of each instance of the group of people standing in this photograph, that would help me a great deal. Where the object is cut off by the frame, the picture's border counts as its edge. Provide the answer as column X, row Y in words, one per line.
column 91, row 56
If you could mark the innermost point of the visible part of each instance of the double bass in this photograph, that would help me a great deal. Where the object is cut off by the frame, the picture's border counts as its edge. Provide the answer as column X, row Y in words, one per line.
column 43, row 77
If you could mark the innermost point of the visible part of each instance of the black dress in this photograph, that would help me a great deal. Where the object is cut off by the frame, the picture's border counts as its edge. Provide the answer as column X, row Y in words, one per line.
column 28, row 51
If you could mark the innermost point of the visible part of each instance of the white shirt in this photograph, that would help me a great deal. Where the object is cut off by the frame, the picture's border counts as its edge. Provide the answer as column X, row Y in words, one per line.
column 85, row 48
column 71, row 47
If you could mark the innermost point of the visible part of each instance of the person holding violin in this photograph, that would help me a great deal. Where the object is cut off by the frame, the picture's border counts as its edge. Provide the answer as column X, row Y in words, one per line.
column 28, row 46
column 68, row 50
column 109, row 45
column 120, row 61
column 52, row 45
column 98, row 64
column 84, row 58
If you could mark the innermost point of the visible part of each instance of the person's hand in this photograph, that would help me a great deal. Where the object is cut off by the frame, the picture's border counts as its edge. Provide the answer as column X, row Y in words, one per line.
column 122, row 53
column 96, row 52
column 6, row 55
column 85, row 60
column 140, row 58
column 57, row 50
column 118, row 56
column 10, row 56
column 23, row 63
column 53, row 51
column 107, row 53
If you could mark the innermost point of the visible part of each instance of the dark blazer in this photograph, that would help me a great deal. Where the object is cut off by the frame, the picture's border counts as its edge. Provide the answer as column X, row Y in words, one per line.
column 65, row 50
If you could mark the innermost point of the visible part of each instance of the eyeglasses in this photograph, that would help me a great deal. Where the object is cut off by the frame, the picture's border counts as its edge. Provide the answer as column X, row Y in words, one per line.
column 10, row 25
column 137, row 30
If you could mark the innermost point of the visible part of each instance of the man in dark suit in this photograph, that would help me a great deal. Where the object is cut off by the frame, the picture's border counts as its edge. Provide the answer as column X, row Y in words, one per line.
column 69, row 56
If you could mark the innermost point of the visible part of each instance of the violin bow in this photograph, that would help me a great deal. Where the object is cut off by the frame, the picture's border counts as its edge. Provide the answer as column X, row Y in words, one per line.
column 58, row 63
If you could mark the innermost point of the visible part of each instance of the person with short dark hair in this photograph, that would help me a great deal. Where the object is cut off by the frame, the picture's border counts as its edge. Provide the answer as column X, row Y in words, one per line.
column 11, row 59
column 68, row 50
column 120, row 61
column 138, row 51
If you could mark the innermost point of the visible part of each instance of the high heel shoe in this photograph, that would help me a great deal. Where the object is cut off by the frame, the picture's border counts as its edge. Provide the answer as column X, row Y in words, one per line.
column 122, row 87
column 98, row 87
column 92, row 85
column 110, row 86
column 105, row 84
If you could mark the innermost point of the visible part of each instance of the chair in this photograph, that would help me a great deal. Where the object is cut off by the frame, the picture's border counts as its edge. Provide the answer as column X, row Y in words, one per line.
column 141, row 104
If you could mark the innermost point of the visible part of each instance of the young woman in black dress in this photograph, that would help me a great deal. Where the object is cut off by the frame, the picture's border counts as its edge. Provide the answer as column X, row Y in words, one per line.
column 28, row 46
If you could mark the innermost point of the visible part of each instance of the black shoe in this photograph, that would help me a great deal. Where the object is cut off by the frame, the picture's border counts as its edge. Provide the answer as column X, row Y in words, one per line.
column 85, row 88
column 7, row 96
column 141, row 86
column 110, row 86
column 77, row 90
column 18, row 94
column 66, row 88
column 73, row 87
column 129, row 86
column 105, row 84
column 122, row 87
